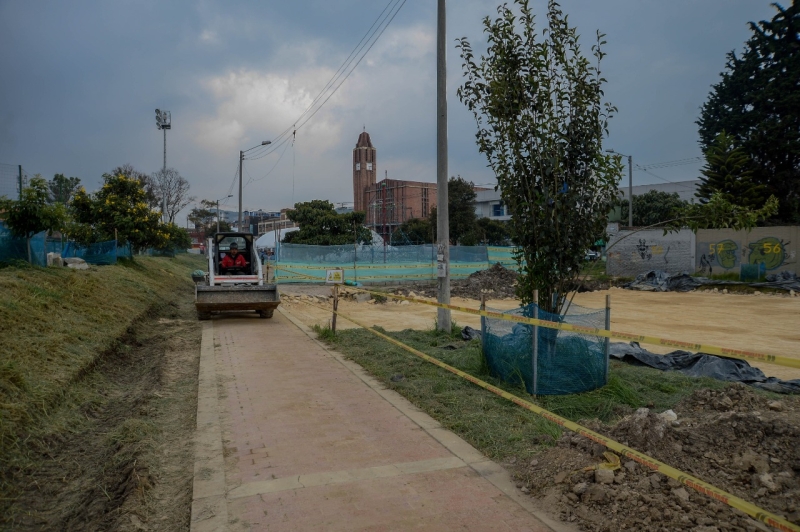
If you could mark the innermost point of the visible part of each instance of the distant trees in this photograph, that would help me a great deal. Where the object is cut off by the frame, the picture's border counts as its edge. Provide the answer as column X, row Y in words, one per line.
column 320, row 224
column 206, row 216
column 62, row 188
column 653, row 207
column 33, row 212
column 414, row 231
column 172, row 191
column 756, row 104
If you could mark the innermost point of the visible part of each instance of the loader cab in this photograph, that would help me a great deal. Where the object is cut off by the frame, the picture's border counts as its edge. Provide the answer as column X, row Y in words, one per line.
column 223, row 242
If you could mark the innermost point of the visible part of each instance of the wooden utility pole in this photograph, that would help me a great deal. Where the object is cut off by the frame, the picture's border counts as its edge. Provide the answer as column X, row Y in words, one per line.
column 442, row 215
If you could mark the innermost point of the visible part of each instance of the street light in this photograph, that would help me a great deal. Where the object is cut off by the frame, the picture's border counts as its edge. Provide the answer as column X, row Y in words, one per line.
column 630, row 184
column 241, row 162
column 226, row 197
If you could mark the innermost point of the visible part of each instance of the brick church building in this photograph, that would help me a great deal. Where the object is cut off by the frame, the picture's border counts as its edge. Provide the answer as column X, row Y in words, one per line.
column 389, row 202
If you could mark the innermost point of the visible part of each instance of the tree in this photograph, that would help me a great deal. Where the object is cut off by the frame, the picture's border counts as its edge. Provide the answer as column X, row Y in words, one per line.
column 62, row 188
column 118, row 211
column 541, row 122
column 32, row 213
column 205, row 217
column 414, row 231
column 321, row 225
column 461, row 211
column 148, row 185
column 492, row 232
column 172, row 191
column 756, row 103
column 652, row 207
column 729, row 171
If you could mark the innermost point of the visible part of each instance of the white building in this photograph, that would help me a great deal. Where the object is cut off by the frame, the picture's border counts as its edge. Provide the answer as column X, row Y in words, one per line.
column 489, row 205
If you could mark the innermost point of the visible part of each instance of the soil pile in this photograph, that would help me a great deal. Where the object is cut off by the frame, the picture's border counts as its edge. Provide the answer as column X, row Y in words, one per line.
column 735, row 439
column 496, row 282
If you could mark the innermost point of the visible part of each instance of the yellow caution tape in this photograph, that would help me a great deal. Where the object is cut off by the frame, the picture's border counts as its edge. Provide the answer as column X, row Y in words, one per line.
column 605, row 333
column 690, row 481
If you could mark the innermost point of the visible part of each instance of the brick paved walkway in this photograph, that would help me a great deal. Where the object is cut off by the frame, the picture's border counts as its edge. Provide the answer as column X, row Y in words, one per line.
column 293, row 437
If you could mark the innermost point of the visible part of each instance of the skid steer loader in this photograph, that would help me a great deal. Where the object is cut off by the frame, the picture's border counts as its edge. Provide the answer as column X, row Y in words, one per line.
column 236, row 282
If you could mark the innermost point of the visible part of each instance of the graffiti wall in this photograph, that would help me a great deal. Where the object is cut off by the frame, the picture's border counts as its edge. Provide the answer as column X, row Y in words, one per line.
column 631, row 253
column 772, row 249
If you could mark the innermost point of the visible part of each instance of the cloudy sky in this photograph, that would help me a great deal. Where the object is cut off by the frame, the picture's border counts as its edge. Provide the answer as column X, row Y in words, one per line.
column 81, row 80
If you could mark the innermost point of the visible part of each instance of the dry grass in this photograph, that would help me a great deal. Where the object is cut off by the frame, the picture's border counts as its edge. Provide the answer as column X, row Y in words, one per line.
column 55, row 324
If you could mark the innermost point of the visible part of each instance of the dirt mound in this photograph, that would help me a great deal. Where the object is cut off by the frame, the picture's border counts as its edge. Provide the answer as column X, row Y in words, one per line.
column 739, row 441
column 496, row 282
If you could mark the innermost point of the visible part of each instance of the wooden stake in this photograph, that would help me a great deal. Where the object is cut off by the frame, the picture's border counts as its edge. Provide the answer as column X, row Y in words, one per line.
column 535, row 346
column 335, row 307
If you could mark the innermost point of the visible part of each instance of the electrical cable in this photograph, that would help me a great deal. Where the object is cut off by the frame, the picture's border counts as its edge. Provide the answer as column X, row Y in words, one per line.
column 382, row 22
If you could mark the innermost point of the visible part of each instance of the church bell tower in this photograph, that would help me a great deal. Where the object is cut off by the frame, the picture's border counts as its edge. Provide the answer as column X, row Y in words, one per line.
column 364, row 170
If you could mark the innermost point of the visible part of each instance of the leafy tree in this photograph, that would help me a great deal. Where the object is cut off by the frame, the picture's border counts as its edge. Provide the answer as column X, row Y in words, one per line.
column 719, row 213
column 176, row 238
column 172, row 191
column 729, row 171
column 461, row 210
column 492, row 232
column 320, row 224
column 152, row 196
column 414, row 231
column 120, row 205
column 756, row 103
column 541, row 121
column 62, row 188
column 653, row 207
column 32, row 213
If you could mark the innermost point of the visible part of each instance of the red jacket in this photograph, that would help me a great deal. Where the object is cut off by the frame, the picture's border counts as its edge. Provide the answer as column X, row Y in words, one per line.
column 229, row 262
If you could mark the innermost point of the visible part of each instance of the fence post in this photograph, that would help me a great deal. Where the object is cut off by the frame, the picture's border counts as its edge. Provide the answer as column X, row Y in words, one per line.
column 535, row 347
column 335, row 307
column 483, row 321
column 608, row 328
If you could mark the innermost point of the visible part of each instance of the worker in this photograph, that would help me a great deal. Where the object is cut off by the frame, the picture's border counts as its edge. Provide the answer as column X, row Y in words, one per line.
column 233, row 259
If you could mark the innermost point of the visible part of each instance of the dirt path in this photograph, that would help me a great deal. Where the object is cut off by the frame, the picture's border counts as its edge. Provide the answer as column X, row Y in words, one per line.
column 761, row 323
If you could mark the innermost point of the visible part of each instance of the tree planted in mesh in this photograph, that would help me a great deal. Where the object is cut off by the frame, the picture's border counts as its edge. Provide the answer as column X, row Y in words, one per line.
column 32, row 213
column 537, row 101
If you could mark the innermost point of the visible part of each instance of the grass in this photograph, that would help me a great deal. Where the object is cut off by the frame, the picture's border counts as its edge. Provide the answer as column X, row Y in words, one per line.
column 56, row 323
column 496, row 427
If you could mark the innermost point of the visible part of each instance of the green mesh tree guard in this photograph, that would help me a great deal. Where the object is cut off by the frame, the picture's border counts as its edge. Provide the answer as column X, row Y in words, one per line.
column 566, row 362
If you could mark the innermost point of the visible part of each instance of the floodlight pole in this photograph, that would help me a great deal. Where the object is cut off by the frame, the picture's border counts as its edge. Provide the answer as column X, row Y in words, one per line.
column 442, row 214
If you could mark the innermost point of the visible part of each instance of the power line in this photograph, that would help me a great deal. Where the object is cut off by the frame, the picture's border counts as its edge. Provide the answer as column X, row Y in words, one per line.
column 356, row 56
column 668, row 164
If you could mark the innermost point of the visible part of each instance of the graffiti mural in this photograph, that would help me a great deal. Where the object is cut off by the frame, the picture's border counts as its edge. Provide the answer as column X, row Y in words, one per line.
column 770, row 251
column 725, row 254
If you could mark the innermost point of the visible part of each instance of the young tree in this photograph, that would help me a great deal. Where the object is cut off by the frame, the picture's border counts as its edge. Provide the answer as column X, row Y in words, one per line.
column 652, row 207
column 729, row 171
column 461, row 210
column 32, row 213
column 62, row 188
column 541, row 121
column 172, row 191
column 321, row 225
column 118, row 209
column 756, row 103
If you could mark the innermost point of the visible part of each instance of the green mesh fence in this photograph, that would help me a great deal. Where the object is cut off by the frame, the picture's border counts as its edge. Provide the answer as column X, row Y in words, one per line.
column 566, row 362
column 102, row 253
column 15, row 248
column 375, row 264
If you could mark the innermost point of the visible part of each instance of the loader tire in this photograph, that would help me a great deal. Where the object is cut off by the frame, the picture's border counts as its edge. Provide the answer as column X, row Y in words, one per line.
column 265, row 314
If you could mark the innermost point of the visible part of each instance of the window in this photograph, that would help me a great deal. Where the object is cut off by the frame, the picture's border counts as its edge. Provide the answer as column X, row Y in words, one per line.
column 497, row 209
column 369, row 166
column 358, row 166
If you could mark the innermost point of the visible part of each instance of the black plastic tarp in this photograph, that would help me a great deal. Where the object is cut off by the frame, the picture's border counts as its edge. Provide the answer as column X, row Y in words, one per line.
column 703, row 365
column 661, row 281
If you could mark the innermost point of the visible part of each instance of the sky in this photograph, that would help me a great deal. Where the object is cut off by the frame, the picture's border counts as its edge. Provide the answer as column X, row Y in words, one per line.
column 81, row 81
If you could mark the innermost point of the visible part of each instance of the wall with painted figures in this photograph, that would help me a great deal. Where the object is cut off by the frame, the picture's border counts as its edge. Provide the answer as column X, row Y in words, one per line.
column 724, row 250
column 630, row 253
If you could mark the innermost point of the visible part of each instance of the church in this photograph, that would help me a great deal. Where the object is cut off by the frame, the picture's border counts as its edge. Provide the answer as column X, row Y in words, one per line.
column 389, row 202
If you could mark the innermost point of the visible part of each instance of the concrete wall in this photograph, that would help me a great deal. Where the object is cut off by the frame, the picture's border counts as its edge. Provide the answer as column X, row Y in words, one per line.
column 638, row 252
column 724, row 250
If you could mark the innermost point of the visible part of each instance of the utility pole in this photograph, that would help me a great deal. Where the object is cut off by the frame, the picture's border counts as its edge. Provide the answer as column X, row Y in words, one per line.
column 241, row 162
column 630, row 190
column 442, row 214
